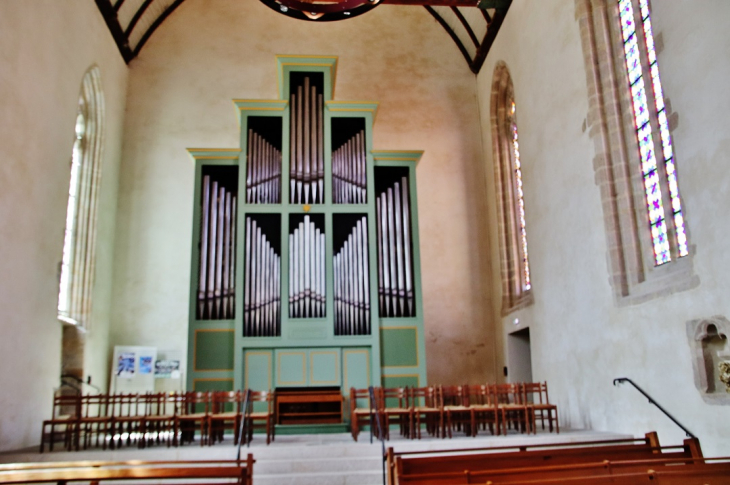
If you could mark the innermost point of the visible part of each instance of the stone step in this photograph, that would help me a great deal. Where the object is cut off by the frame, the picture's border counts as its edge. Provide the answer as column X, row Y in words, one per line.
column 313, row 465
column 355, row 477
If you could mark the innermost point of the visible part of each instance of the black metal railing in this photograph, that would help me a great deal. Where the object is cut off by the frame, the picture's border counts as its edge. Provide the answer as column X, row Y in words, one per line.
column 65, row 378
column 621, row 380
column 378, row 426
column 243, row 429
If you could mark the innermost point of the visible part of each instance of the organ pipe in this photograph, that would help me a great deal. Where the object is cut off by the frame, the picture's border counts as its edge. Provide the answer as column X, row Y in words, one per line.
column 351, row 283
column 263, row 171
column 306, row 168
column 349, row 171
column 395, row 264
column 306, row 270
column 216, row 278
column 262, row 288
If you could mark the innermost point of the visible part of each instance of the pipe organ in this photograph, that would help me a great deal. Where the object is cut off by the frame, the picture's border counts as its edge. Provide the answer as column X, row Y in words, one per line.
column 262, row 288
column 320, row 253
column 351, row 277
column 395, row 266
column 217, row 256
column 306, row 166
column 263, row 171
column 349, row 171
column 306, row 267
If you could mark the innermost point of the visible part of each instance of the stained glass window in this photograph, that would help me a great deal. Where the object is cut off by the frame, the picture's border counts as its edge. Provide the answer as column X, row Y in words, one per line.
column 519, row 196
column 636, row 58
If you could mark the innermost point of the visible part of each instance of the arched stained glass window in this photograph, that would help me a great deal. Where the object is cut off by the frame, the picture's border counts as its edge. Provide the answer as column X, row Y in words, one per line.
column 515, row 266
column 664, row 206
column 77, row 265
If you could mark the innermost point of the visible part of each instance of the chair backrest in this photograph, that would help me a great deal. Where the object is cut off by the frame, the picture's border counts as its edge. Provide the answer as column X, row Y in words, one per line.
column 95, row 405
column 534, row 392
column 359, row 399
column 256, row 397
column 481, row 395
column 226, row 401
column 392, row 397
column 67, row 406
column 425, row 396
column 196, row 402
column 455, row 395
column 124, row 405
column 509, row 393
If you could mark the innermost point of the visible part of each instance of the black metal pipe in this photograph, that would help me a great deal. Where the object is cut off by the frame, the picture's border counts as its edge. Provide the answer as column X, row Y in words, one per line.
column 620, row 380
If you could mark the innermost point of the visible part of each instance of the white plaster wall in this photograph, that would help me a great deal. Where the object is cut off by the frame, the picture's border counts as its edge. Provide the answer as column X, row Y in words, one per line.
column 180, row 91
column 580, row 339
column 46, row 46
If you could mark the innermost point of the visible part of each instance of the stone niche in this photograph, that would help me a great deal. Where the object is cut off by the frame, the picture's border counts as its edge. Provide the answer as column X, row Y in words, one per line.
column 708, row 339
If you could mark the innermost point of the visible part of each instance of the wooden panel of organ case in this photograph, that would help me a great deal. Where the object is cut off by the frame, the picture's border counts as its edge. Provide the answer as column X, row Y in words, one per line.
column 306, row 244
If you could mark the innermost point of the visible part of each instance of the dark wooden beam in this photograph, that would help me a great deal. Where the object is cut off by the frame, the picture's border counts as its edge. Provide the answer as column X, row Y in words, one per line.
column 110, row 17
column 489, row 37
column 466, row 25
column 154, row 26
column 136, row 17
column 451, row 33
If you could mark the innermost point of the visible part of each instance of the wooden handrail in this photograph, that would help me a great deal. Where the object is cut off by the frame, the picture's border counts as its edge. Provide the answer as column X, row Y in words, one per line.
column 533, row 447
column 95, row 471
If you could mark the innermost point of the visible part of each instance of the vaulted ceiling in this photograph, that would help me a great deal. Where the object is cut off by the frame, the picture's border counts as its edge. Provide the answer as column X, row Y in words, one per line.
column 471, row 24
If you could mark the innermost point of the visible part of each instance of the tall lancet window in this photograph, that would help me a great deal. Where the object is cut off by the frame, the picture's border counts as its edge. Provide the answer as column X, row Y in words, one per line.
column 77, row 266
column 664, row 207
column 514, row 261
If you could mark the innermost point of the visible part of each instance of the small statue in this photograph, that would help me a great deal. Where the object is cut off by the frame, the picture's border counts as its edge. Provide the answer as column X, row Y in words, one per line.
column 724, row 368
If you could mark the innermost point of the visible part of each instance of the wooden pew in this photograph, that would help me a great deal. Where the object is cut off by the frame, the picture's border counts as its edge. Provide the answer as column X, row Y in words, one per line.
column 231, row 471
column 710, row 471
column 413, row 467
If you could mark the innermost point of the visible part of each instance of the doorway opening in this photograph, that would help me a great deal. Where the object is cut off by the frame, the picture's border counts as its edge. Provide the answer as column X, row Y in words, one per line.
column 519, row 356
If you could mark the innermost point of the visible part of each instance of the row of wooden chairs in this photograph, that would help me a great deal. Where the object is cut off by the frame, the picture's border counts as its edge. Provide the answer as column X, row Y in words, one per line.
column 624, row 461
column 113, row 420
column 441, row 410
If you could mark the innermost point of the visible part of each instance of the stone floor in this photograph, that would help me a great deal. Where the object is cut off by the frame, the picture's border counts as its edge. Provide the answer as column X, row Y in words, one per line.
column 326, row 459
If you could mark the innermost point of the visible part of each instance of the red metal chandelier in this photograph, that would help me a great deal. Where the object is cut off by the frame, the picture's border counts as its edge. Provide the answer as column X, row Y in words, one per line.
column 321, row 10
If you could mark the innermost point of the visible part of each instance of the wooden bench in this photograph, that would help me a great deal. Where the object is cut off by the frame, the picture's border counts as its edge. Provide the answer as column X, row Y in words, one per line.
column 440, row 466
column 239, row 472
column 673, row 472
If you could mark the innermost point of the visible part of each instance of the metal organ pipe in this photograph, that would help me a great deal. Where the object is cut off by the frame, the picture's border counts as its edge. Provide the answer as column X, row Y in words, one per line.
column 395, row 264
column 263, row 171
column 349, row 171
column 216, row 278
column 262, row 289
column 306, row 271
column 306, row 167
column 351, row 283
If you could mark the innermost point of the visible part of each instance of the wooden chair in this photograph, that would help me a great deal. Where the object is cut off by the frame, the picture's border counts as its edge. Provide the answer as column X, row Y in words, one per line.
column 457, row 412
column 361, row 411
column 260, row 415
column 483, row 405
column 95, row 421
column 513, row 410
column 192, row 415
column 158, row 424
column 393, row 407
column 426, row 406
column 125, row 419
column 64, row 422
column 541, row 407
column 226, row 412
